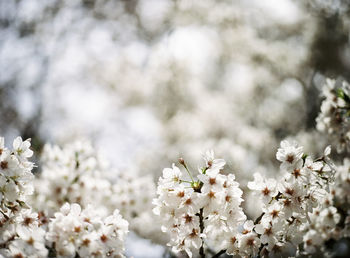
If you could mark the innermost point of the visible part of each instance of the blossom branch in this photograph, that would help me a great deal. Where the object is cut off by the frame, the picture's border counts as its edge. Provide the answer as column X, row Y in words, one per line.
column 201, row 226
column 219, row 254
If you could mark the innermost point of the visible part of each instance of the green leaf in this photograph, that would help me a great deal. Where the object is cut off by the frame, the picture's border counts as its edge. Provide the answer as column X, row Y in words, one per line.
column 341, row 94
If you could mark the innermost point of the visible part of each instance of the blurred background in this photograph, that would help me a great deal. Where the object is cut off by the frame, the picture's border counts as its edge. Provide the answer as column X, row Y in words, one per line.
column 148, row 81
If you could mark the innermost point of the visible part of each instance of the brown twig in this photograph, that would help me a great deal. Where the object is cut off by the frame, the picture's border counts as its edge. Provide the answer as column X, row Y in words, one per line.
column 201, row 226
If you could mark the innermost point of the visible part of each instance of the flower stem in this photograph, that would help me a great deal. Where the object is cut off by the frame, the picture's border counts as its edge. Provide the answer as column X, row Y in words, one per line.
column 201, row 226
column 182, row 162
column 185, row 181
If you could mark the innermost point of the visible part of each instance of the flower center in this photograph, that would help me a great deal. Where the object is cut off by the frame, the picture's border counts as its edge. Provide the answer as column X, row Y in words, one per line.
column 250, row 241
column 274, row 213
column 289, row 191
column 30, row 241
column 86, row 242
column 296, row 173
column 188, row 201
column 188, row 218
column 290, row 158
column 193, row 233
column 104, row 238
column 181, row 194
column 266, row 191
column 4, row 164
column 212, row 181
column 211, row 194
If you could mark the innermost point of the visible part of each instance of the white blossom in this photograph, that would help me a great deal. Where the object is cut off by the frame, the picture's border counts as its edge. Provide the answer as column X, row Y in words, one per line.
column 334, row 118
column 290, row 155
column 204, row 210
column 75, row 231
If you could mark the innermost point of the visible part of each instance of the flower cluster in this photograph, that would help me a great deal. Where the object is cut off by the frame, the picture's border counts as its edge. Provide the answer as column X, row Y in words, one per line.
column 83, row 232
column 259, row 102
column 133, row 195
column 204, row 214
column 73, row 174
column 341, row 197
column 331, row 219
column 334, row 118
column 76, row 173
column 198, row 213
column 23, row 236
column 71, row 232
column 288, row 205
column 20, row 231
column 15, row 175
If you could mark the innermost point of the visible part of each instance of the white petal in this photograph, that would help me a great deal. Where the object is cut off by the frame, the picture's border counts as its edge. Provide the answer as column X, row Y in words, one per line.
column 17, row 142
column 327, row 150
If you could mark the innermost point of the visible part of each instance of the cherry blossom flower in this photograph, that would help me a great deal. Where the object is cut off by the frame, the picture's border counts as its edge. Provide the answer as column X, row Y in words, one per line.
column 204, row 210
column 290, row 155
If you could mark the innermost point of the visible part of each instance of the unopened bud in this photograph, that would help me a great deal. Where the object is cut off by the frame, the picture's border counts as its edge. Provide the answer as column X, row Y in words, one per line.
column 196, row 186
column 182, row 161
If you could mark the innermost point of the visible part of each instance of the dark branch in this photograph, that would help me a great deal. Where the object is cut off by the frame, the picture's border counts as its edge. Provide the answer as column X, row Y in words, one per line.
column 219, row 253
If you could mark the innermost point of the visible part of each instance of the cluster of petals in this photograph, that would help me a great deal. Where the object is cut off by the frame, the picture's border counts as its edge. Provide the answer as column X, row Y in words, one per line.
column 331, row 219
column 334, row 118
column 71, row 232
column 73, row 174
column 202, row 212
column 76, row 173
column 74, row 231
column 289, row 204
column 20, row 231
column 15, row 175
column 132, row 194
